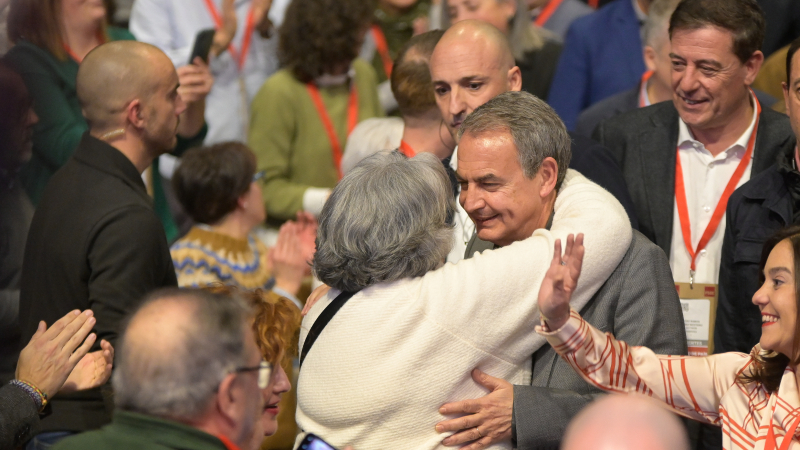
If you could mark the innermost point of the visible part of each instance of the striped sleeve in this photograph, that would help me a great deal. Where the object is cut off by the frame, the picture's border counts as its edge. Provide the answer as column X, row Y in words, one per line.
column 690, row 386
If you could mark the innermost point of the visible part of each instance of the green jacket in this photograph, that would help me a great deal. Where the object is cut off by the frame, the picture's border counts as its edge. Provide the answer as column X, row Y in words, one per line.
column 133, row 431
column 290, row 142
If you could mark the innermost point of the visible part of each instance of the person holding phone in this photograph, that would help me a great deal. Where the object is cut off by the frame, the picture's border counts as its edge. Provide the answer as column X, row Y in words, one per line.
column 241, row 55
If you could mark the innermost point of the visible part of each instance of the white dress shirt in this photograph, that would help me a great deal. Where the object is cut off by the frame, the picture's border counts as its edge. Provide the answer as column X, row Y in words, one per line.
column 705, row 178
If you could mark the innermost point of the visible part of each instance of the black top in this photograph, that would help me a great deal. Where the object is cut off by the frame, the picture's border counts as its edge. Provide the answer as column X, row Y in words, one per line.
column 538, row 67
column 95, row 242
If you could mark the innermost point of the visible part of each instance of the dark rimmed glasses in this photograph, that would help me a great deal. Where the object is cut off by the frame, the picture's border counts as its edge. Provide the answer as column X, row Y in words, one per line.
column 264, row 373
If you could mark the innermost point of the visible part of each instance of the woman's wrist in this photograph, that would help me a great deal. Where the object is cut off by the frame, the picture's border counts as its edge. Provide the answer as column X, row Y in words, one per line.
column 557, row 321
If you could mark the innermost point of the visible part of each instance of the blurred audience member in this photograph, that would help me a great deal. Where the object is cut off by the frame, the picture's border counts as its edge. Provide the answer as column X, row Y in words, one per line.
column 655, row 85
column 783, row 24
column 557, row 15
column 535, row 51
column 218, row 187
column 602, row 56
column 56, row 360
column 51, row 38
column 95, row 241
column 276, row 326
column 242, row 55
column 394, row 23
column 190, row 375
column 5, row 43
column 625, row 422
column 765, row 204
column 16, row 211
column 721, row 132
column 772, row 76
column 303, row 114
column 421, row 128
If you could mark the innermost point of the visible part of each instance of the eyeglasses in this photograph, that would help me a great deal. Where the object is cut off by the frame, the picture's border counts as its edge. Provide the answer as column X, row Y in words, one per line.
column 264, row 373
column 259, row 175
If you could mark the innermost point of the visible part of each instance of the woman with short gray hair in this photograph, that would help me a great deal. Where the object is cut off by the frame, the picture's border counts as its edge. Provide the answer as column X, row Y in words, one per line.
column 409, row 328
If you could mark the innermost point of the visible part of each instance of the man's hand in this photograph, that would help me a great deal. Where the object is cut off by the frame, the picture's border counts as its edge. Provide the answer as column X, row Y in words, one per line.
column 489, row 419
column 289, row 265
column 560, row 281
column 224, row 34
column 92, row 371
column 261, row 17
column 52, row 353
column 195, row 81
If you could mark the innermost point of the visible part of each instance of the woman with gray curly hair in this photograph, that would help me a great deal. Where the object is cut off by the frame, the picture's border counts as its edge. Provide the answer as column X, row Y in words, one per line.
column 413, row 327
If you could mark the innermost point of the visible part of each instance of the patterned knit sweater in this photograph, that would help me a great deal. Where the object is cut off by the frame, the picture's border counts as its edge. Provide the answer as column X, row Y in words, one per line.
column 204, row 256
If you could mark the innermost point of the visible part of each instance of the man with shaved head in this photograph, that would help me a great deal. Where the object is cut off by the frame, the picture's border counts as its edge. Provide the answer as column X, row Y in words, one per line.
column 512, row 171
column 189, row 376
column 95, row 241
column 473, row 63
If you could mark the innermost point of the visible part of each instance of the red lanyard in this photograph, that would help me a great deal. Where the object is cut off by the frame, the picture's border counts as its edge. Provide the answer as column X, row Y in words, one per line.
column 547, row 11
column 226, row 442
column 406, row 149
column 593, row 3
column 383, row 49
column 352, row 120
column 241, row 57
column 683, row 210
column 643, row 88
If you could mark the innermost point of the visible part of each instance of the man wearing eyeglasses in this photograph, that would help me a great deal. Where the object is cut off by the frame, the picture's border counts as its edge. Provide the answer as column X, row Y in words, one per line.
column 188, row 376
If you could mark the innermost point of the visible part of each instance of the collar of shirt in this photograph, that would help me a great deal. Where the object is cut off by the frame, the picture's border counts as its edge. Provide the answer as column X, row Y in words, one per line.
column 644, row 98
column 686, row 141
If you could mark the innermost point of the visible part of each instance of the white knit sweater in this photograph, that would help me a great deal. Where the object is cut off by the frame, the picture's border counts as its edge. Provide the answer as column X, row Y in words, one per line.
column 395, row 352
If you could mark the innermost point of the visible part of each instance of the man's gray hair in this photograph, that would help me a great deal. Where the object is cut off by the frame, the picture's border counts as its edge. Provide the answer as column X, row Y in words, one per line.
column 534, row 126
column 178, row 379
column 386, row 220
column 656, row 26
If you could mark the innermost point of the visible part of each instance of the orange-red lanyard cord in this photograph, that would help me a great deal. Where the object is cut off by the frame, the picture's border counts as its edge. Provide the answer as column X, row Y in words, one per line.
column 383, row 50
column 547, row 11
column 407, row 149
column 352, row 121
column 719, row 211
column 594, row 3
column 239, row 57
column 772, row 441
column 643, row 88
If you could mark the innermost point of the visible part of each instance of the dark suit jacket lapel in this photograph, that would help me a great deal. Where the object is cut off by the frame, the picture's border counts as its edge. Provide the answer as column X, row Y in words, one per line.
column 659, row 144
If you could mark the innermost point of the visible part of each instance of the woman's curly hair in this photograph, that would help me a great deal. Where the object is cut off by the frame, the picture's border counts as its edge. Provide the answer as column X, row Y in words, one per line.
column 276, row 321
column 318, row 35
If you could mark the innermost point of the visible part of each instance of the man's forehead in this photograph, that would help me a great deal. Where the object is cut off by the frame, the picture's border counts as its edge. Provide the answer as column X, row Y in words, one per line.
column 464, row 59
column 715, row 42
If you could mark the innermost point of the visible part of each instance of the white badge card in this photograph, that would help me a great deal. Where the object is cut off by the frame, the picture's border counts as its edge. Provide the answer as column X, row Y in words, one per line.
column 699, row 306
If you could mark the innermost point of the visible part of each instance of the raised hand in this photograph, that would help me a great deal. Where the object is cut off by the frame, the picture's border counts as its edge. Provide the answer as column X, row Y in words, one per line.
column 289, row 265
column 317, row 294
column 307, row 233
column 92, row 371
column 224, row 34
column 52, row 353
column 560, row 281
column 195, row 81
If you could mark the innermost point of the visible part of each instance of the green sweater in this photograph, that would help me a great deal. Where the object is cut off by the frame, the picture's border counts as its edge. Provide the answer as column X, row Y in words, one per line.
column 51, row 84
column 290, row 142
column 132, row 431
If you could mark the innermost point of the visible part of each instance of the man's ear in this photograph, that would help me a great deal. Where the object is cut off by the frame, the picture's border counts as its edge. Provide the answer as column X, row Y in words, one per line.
column 549, row 173
column 226, row 398
column 752, row 66
column 134, row 113
column 649, row 54
column 514, row 79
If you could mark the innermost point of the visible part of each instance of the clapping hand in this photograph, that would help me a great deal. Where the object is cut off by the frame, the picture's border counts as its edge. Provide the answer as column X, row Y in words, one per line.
column 560, row 281
column 92, row 371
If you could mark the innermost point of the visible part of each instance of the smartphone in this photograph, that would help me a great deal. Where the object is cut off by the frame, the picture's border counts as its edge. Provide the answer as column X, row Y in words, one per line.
column 202, row 44
column 314, row 442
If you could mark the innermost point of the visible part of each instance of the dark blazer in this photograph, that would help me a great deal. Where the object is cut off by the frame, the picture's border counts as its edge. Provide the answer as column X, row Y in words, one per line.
column 96, row 243
column 638, row 304
column 19, row 419
column 755, row 211
column 602, row 56
column 538, row 67
column 644, row 144
column 605, row 109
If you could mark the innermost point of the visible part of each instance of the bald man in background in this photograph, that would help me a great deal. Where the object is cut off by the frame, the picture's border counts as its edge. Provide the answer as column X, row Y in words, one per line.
column 625, row 422
column 95, row 241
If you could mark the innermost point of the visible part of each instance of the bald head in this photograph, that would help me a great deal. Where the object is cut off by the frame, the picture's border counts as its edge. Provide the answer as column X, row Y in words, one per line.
column 478, row 34
column 114, row 74
column 471, row 64
column 622, row 422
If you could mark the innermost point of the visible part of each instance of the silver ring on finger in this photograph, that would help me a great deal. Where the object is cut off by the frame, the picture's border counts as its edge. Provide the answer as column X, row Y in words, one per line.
column 479, row 432
column 563, row 263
